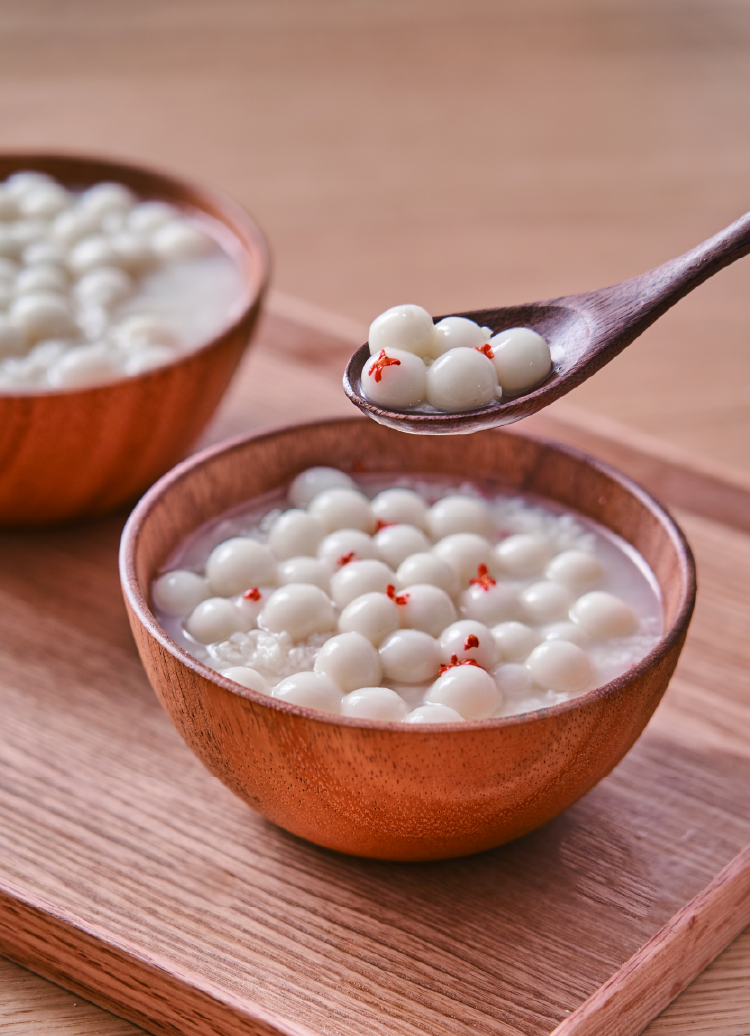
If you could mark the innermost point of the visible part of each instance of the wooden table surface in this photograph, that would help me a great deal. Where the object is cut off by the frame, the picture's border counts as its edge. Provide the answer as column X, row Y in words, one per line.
column 455, row 154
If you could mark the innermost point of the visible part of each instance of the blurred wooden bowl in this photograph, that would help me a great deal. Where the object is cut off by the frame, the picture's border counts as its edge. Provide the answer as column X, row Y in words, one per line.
column 83, row 452
column 386, row 790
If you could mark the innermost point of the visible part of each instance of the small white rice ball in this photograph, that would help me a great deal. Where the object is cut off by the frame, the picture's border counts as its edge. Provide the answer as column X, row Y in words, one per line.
column 545, row 601
column 425, row 607
column 400, row 507
column 311, row 691
column 306, row 486
column 576, row 569
column 395, row 543
column 300, row 609
column 394, row 378
column 459, row 513
column 44, row 201
column 134, row 252
column 490, row 604
column 89, row 253
column 513, row 680
column 410, row 656
column 350, row 660
column 149, row 359
column 344, row 546
column 522, row 555
column 25, row 180
column 434, row 714
column 304, row 569
column 247, row 677
column 458, row 333
column 468, row 639
column 360, row 577
column 238, row 564
column 142, row 331
column 181, row 239
column 12, row 341
column 295, row 533
column 464, row 552
column 515, row 640
column 41, row 277
column 407, row 328
column 521, row 358
column 374, row 615
column 43, row 314
column 250, row 604
column 427, row 568
column 72, row 226
column 603, row 615
column 567, row 631
column 105, row 286
column 378, row 703
column 343, row 509
column 147, row 216
column 103, row 198
column 560, row 666
column 179, row 591
column 462, row 379
column 214, row 619
column 468, row 689
column 84, row 367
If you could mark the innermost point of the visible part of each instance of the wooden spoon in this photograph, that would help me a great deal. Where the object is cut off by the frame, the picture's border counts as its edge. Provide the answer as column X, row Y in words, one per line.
column 583, row 331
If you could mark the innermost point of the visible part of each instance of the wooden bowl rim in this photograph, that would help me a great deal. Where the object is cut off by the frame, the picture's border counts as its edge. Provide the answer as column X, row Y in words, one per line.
column 252, row 243
column 140, row 607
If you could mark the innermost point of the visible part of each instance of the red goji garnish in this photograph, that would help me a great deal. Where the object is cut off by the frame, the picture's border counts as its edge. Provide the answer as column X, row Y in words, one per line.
column 455, row 662
column 346, row 558
column 483, row 578
column 396, row 598
column 486, row 350
column 252, row 594
column 471, row 641
column 381, row 363
column 382, row 524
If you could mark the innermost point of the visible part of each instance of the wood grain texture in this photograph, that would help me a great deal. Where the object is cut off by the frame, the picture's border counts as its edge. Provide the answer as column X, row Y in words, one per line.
column 584, row 332
column 84, row 452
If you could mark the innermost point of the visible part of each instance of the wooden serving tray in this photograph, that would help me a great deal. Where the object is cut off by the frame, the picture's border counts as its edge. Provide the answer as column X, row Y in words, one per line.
column 131, row 876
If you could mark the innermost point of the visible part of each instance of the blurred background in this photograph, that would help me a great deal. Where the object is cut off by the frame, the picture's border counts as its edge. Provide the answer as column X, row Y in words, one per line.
column 453, row 153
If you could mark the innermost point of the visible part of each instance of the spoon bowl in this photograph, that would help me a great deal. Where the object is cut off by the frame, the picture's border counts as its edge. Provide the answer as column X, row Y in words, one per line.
column 584, row 332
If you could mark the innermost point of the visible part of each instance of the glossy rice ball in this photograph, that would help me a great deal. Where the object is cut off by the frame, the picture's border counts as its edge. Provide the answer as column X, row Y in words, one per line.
column 468, row 639
column 400, row 507
column 350, row 660
column 560, row 666
column 464, row 552
column 214, row 619
column 250, row 604
column 344, row 546
column 239, row 564
column 378, row 703
column 513, row 680
column 149, row 215
column 105, row 286
column 247, row 677
column 515, row 641
column 142, row 331
column 545, row 602
column 374, row 615
column 459, row 513
column 576, row 569
column 306, row 486
column 43, row 314
column 489, row 603
column 304, row 569
column 395, row 543
column 44, row 277
column 311, row 691
column 83, row 367
column 295, row 533
column 104, row 198
column 407, row 328
column 458, row 333
column 521, row 358
column 425, row 607
column 90, row 252
column 360, row 577
column 462, row 379
column 567, row 631
column 434, row 714
column 468, row 689
column 603, row 615
column 179, row 591
column 427, row 568
column 181, row 239
column 300, row 609
column 394, row 379
column 343, row 509
column 522, row 555
column 410, row 656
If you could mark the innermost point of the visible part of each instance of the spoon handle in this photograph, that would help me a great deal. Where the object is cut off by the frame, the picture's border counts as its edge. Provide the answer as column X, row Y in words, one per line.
column 628, row 308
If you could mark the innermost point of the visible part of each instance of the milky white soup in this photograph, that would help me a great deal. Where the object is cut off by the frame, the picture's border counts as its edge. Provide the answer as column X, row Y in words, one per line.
column 448, row 367
column 409, row 599
column 97, row 285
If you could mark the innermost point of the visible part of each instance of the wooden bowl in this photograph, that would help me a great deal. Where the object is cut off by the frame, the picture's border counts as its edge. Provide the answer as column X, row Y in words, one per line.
column 83, row 452
column 386, row 790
